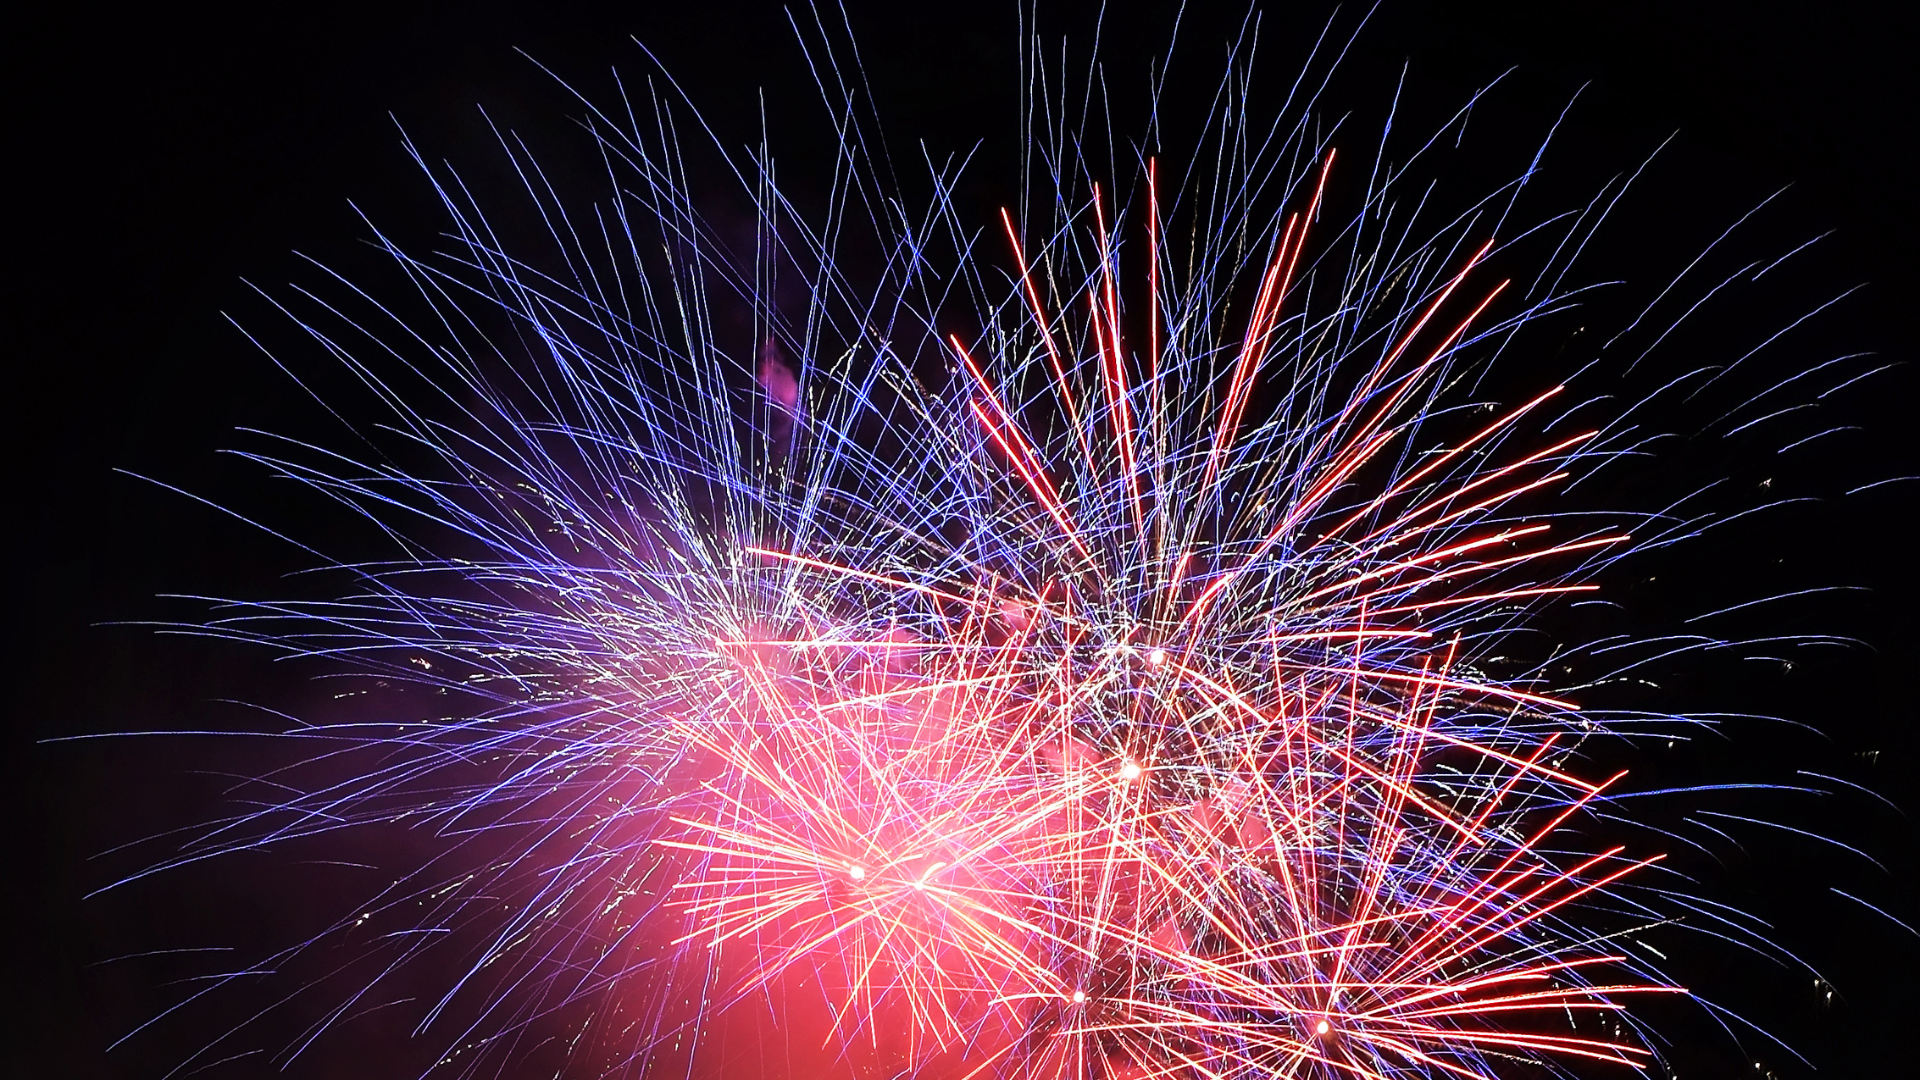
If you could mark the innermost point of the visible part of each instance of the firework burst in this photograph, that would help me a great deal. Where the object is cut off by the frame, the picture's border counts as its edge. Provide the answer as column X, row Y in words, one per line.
column 1064, row 648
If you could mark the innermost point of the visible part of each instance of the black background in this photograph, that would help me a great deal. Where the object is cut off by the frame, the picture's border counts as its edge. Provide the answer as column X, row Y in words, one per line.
column 159, row 157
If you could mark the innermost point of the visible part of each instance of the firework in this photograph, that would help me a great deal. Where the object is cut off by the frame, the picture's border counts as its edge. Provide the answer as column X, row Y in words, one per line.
column 1066, row 647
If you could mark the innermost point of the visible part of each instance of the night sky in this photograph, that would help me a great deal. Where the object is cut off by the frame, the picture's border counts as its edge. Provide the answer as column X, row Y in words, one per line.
column 164, row 158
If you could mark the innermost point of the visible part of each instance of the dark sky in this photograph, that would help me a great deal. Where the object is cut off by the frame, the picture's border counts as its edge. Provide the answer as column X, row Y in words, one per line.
column 163, row 156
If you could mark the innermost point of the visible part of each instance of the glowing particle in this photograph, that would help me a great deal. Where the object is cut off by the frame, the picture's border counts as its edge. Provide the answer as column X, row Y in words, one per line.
column 1130, row 771
column 857, row 872
column 1079, row 997
column 1322, row 1028
column 1157, row 656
